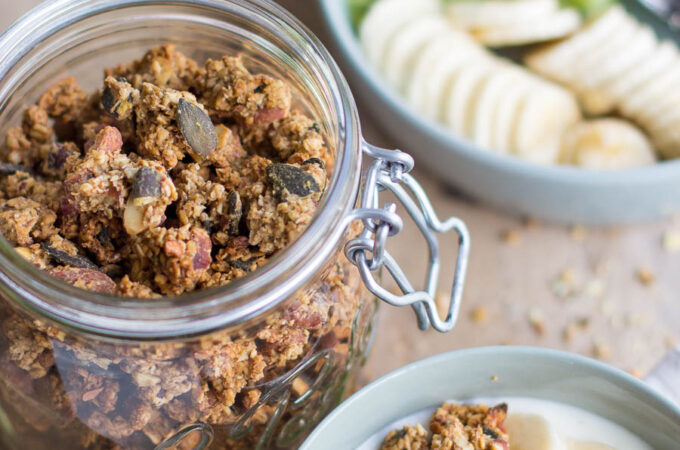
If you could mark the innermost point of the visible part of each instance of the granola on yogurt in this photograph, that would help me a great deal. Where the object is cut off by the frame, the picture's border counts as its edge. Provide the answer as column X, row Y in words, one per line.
column 174, row 177
column 454, row 426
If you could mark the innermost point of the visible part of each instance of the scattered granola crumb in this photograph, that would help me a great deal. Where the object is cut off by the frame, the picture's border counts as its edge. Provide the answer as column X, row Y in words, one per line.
column 511, row 237
column 637, row 373
column 594, row 288
column 565, row 285
column 494, row 378
column 478, row 315
column 575, row 326
column 532, row 224
column 645, row 276
column 636, row 319
column 671, row 241
column 578, row 233
column 601, row 350
column 537, row 320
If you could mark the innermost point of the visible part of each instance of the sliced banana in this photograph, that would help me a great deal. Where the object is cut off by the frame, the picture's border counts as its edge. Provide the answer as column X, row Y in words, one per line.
column 407, row 44
column 532, row 432
column 606, row 144
column 595, row 95
column 464, row 91
column 434, row 68
column 555, row 25
column 489, row 105
column 557, row 61
column 385, row 18
column 636, row 103
column 543, row 116
column 498, row 13
column 506, row 117
column 658, row 61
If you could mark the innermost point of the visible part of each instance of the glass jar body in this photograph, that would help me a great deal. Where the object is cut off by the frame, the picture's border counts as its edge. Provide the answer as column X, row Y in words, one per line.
column 255, row 366
column 264, row 384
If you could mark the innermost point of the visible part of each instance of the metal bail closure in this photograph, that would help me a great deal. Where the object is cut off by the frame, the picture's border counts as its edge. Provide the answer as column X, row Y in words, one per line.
column 390, row 171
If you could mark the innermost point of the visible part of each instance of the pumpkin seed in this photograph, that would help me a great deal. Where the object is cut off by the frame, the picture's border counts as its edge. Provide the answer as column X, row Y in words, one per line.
column 197, row 129
column 286, row 178
column 66, row 259
column 234, row 212
column 11, row 169
column 146, row 183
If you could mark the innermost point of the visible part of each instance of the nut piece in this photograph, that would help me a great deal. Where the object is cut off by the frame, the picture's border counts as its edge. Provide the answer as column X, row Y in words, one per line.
column 65, row 259
column 285, row 178
column 88, row 279
column 146, row 187
column 197, row 129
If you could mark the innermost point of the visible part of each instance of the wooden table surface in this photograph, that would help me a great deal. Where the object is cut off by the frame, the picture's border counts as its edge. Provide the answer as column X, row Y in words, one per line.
column 529, row 283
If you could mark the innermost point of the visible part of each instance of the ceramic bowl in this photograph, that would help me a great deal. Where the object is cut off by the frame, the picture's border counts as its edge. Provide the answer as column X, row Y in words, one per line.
column 555, row 193
column 501, row 372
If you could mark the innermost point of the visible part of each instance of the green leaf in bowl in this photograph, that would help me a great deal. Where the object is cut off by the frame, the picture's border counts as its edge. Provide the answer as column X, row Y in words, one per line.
column 358, row 10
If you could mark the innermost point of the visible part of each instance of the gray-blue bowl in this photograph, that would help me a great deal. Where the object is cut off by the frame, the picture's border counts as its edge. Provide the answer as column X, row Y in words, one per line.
column 501, row 372
column 556, row 194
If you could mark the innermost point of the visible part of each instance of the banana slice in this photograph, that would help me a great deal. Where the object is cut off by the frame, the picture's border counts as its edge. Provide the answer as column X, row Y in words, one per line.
column 636, row 103
column 606, row 144
column 495, row 13
column 543, row 116
column 434, row 68
column 385, row 18
column 557, row 61
column 555, row 25
column 506, row 117
column 598, row 72
column 407, row 44
column 491, row 101
column 532, row 432
column 659, row 60
column 465, row 89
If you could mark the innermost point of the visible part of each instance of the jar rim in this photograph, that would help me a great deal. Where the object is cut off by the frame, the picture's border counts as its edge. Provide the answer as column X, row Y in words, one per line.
column 202, row 311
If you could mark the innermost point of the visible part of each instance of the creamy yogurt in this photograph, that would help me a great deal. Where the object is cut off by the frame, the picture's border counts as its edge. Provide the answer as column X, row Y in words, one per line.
column 540, row 425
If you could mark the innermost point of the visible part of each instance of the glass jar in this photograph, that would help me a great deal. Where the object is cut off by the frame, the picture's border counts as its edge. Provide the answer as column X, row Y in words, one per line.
column 256, row 363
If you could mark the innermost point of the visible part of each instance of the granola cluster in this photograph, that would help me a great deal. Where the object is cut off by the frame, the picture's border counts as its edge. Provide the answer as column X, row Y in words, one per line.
column 454, row 427
column 173, row 177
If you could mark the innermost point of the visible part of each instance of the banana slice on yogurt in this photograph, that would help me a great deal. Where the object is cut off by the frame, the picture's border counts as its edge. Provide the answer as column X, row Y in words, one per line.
column 533, row 432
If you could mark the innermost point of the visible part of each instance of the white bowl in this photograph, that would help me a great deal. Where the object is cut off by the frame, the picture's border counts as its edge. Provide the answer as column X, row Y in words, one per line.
column 556, row 193
column 500, row 372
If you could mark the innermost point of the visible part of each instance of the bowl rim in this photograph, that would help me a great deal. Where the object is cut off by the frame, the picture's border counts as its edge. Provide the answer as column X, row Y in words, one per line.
column 336, row 16
column 596, row 367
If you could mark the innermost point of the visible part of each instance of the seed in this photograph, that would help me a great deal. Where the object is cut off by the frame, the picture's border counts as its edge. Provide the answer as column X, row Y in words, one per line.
column 286, row 178
column 67, row 259
column 108, row 100
column 11, row 169
column 146, row 183
column 234, row 212
column 197, row 129
column 645, row 276
column 245, row 266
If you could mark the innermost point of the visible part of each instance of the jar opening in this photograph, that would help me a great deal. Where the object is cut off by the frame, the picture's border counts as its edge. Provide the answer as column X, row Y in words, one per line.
column 66, row 36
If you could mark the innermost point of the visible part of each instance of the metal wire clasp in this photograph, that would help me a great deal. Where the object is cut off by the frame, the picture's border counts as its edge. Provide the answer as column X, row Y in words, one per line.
column 390, row 171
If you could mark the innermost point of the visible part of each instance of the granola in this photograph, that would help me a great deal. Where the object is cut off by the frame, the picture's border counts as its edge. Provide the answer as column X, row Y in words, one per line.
column 454, row 426
column 174, row 177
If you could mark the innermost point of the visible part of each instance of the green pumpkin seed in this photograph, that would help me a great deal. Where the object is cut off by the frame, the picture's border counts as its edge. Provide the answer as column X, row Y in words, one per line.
column 146, row 183
column 197, row 129
column 286, row 178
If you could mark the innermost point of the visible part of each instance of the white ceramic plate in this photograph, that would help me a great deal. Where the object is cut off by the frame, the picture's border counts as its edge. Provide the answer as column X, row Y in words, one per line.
column 559, row 194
